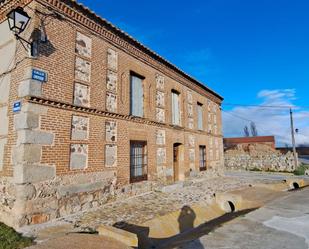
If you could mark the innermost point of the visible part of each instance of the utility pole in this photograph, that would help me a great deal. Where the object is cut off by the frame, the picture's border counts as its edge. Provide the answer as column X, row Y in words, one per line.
column 293, row 140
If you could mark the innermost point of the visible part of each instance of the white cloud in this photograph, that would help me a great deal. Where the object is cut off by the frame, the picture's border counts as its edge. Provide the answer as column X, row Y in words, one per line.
column 269, row 121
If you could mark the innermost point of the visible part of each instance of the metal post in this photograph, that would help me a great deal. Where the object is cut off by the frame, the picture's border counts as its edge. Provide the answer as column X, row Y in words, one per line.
column 293, row 140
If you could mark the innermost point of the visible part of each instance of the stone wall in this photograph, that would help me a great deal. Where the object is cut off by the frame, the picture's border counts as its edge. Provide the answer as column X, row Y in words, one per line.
column 7, row 200
column 258, row 157
column 33, row 203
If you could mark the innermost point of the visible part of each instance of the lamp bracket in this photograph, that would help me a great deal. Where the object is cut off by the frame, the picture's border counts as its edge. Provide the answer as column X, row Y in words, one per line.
column 23, row 41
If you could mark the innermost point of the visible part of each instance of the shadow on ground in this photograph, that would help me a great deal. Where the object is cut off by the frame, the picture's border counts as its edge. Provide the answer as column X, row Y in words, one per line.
column 186, row 228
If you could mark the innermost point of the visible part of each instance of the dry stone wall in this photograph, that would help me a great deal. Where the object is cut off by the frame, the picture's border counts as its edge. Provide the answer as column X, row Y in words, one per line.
column 258, row 157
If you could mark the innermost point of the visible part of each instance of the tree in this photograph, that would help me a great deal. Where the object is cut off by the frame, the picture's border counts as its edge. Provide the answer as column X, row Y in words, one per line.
column 246, row 131
column 253, row 128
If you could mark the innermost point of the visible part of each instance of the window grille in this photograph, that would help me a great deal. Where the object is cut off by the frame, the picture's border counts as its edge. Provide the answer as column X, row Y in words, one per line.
column 138, row 161
column 202, row 158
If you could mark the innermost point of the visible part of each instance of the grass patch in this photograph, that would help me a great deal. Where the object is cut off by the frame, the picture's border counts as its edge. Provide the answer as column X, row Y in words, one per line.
column 301, row 170
column 255, row 169
column 269, row 170
column 10, row 239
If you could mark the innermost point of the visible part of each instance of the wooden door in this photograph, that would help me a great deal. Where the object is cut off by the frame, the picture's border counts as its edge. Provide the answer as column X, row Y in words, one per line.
column 176, row 162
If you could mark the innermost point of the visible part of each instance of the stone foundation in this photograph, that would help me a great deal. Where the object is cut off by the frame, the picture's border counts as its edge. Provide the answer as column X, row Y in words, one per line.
column 25, row 204
column 7, row 200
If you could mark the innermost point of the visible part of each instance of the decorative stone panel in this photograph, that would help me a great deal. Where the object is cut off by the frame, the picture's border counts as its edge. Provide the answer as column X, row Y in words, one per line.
column 191, row 140
column 82, row 69
column 214, row 108
column 161, row 156
column 192, row 155
column 189, row 97
column 160, row 99
column 79, row 156
column 190, row 110
column 209, row 128
column 83, row 45
column 209, row 117
column 80, row 128
column 81, row 95
column 111, row 131
column 217, row 143
column 210, row 154
column 209, row 106
column 215, row 129
column 110, row 155
column 160, row 137
column 211, row 142
column 160, row 115
column 111, row 102
column 112, row 59
column 111, row 83
column 217, row 154
column 160, row 82
column 191, row 123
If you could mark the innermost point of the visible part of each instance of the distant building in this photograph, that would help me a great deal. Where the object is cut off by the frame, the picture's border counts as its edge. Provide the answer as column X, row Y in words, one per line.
column 234, row 141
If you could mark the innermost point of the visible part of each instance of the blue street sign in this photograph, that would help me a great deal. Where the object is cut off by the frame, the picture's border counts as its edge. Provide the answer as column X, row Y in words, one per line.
column 39, row 75
column 17, row 106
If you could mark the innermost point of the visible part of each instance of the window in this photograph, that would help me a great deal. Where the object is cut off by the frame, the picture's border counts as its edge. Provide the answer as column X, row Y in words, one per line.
column 199, row 116
column 136, row 96
column 138, row 161
column 202, row 157
column 175, row 108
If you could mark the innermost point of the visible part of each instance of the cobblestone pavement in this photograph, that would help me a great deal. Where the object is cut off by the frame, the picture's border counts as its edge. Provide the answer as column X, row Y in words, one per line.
column 138, row 210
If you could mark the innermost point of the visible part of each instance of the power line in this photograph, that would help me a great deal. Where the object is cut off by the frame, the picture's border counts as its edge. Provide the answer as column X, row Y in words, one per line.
column 260, row 127
column 265, row 106
column 260, row 106
column 237, row 116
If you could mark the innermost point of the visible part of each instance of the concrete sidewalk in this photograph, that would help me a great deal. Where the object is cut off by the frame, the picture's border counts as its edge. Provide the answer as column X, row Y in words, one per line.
column 282, row 223
column 80, row 241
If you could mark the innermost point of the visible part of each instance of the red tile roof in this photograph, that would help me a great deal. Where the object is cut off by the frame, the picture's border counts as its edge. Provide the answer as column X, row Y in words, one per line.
column 240, row 140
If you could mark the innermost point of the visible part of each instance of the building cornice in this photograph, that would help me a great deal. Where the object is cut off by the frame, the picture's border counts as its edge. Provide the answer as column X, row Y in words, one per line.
column 97, row 112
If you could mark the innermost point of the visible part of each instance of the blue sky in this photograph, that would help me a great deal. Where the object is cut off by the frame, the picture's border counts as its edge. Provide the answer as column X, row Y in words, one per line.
column 250, row 52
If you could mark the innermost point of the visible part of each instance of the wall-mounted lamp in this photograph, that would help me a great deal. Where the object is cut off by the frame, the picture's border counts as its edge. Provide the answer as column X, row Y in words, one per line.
column 18, row 20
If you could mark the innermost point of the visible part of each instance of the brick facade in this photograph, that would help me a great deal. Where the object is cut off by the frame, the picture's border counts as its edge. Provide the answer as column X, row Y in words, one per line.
column 68, row 149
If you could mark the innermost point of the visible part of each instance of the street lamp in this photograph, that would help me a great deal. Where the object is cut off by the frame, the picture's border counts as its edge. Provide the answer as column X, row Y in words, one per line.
column 18, row 20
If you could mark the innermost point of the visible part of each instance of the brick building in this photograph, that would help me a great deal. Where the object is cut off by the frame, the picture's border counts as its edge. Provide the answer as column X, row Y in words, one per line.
column 93, row 115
